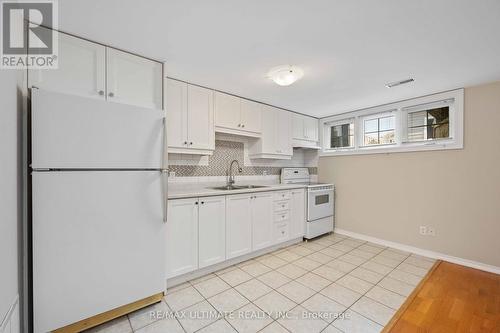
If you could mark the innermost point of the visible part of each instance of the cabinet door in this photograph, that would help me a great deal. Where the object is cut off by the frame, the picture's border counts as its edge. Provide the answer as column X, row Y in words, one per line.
column 284, row 132
column 297, row 214
column 200, row 118
column 182, row 236
column 311, row 129
column 268, row 137
column 81, row 69
column 251, row 116
column 238, row 226
column 262, row 220
column 227, row 111
column 212, row 231
column 133, row 80
column 298, row 130
column 177, row 116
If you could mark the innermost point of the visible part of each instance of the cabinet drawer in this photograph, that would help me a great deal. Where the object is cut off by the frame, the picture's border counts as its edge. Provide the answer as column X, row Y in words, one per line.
column 281, row 205
column 281, row 232
column 281, row 216
column 285, row 195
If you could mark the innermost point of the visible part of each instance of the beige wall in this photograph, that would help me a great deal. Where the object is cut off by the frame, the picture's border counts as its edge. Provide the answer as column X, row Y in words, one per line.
column 457, row 192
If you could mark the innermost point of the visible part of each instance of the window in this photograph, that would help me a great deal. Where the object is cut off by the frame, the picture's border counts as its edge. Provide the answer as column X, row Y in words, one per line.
column 433, row 122
column 429, row 124
column 379, row 130
column 342, row 135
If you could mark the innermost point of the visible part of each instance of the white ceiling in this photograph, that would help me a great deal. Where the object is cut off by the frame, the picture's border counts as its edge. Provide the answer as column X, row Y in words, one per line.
column 348, row 49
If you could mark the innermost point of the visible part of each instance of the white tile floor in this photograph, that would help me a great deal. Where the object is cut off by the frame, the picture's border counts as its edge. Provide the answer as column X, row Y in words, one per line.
column 331, row 284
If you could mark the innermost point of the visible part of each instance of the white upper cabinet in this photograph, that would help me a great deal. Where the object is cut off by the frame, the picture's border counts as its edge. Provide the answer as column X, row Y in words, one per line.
column 251, row 116
column 311, row 128
column 284, row 132
column 212, row 230
column 133, row 80
column 182, row 236
column 96, row 71
column 276, row 138
column 177, row 115
column 305, row 131
column 262, row 220
column 200, row 120
column 235, row 115
column 227, row 111
column 190, row 115
column 81, row 69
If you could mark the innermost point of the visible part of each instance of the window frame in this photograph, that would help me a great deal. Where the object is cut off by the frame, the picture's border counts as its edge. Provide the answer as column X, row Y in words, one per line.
column 378, row 115
column 328, row 134
column 453, row 99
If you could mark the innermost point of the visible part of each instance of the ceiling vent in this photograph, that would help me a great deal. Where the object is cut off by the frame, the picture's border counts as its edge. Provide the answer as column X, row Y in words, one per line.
column 398, row 83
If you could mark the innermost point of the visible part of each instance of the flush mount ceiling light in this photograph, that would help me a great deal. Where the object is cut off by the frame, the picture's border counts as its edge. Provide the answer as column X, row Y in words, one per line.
column 285, row 75
column 398, row 83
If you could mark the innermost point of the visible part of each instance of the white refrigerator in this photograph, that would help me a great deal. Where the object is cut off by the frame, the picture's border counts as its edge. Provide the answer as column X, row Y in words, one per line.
column 99, row 206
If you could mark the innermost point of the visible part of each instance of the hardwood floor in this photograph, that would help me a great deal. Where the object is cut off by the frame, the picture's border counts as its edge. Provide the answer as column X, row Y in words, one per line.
column 452, row 298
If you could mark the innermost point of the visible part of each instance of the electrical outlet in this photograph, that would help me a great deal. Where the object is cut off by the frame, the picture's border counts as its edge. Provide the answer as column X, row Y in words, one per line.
column 431, row 231
column 171, row 174
column 423, row 230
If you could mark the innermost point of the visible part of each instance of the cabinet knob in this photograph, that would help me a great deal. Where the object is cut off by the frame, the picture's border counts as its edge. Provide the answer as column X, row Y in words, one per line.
column 190, row 143
column 101, row 92
column 196, row 203
column 203, row 202
column 185, row 142
column 111, row 94
column 242, row 125
column 239, row 125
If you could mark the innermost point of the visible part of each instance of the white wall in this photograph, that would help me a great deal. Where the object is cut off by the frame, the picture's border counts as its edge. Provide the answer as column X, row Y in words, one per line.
column 9, row 191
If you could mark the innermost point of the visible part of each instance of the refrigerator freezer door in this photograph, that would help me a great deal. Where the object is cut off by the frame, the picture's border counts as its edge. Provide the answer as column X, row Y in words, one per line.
column 98, row 243
column 83, row 133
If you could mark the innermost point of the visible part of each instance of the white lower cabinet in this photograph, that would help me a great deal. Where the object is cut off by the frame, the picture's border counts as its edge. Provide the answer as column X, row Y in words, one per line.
column 204, row 231
column 182, row 236
column 212, row 231
column 238, row 225
column 262, row 220
column 297, row 213
column 195, row 234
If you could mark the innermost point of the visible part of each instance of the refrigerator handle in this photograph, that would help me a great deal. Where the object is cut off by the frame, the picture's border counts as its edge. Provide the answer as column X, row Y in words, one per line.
column 164, row 171
column 164, row 180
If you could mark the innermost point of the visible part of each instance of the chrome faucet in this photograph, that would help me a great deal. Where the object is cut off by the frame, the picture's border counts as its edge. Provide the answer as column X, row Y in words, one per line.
column 230, row 180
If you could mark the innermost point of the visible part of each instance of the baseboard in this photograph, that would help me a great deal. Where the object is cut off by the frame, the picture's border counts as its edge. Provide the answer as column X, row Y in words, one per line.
column 422, row 252
column 11, row 322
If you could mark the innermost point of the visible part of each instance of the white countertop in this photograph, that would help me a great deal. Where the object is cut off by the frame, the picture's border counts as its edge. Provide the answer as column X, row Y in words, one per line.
column 192, row 190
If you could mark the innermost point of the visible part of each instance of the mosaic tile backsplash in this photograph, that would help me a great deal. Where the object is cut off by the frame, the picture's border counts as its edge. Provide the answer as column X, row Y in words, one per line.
column 225, row 152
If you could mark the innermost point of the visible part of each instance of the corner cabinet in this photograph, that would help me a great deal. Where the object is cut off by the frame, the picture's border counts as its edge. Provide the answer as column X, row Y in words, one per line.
column 190, row 118
column 234, row 115
column 276, row 139
column 96, row 71
column 195, row 234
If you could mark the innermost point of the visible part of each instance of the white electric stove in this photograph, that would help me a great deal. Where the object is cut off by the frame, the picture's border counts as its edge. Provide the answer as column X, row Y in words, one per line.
column 320, row 201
